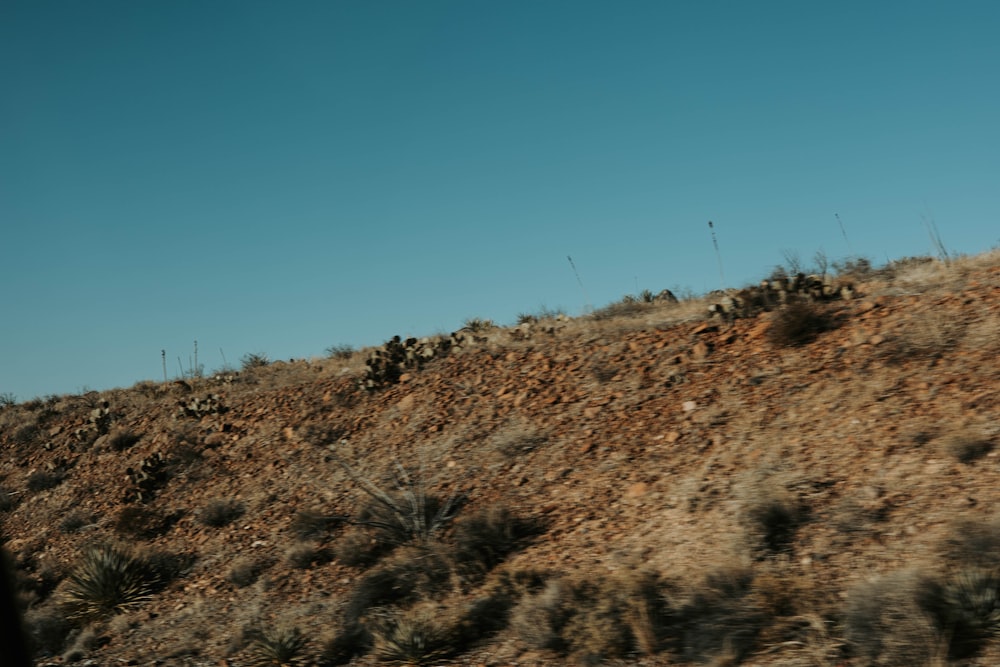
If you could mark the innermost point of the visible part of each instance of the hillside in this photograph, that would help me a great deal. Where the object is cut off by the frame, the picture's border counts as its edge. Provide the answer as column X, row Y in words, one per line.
column 650, row 486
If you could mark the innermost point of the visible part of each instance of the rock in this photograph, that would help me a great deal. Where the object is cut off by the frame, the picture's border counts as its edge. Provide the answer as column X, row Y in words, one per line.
column 689, row 406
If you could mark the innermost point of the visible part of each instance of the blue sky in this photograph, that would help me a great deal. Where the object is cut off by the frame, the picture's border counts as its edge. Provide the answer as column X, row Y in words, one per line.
column 279, row 177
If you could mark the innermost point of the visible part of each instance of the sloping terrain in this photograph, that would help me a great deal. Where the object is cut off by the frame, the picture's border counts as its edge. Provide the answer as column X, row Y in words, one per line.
column 658, row 487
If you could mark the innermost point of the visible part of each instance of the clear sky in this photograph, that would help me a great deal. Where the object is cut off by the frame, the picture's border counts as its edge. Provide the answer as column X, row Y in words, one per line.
column 279, row 177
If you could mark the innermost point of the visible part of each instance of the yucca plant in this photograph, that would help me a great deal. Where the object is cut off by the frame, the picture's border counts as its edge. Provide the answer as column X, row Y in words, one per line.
column 413, row 638
column 972, row 600
column 280, row 647
column 108, row 580
column 409, row 514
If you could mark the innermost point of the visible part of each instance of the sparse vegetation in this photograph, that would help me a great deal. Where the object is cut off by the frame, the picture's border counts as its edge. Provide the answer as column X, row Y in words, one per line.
column 221, row 512
column 43, row 480
column 281, row 647
column 967, row 447
column 798, row 323
column 108, row 580
column 252, row 360
column 340, row 351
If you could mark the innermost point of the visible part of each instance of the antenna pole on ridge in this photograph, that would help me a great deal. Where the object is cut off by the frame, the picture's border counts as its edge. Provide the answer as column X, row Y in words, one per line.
column 586, row 306
column 718, row 255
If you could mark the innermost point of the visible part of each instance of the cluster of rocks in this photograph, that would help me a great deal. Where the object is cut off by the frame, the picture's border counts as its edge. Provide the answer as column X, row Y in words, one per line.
column 770, row 294
column 98, row 423
column 386, row 365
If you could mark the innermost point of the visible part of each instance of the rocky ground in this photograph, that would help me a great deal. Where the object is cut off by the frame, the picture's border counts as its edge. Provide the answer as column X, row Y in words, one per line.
column 653, row 488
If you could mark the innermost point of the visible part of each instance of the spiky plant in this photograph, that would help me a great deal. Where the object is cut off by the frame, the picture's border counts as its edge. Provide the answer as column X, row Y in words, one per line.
column 972, row 599
column 408, row 515
column 108, row 580
column 279, row 648
column 414, row 638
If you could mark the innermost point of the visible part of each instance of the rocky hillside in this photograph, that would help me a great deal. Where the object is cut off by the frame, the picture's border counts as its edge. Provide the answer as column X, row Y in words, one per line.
column 814, row 484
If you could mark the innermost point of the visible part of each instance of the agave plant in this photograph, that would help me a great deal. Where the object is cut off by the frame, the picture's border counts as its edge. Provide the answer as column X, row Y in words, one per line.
column 108, row 580
column 413, row 638
column 279, row 647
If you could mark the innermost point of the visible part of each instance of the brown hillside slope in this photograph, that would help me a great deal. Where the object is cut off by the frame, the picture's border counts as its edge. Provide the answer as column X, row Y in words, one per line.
column 677, row 490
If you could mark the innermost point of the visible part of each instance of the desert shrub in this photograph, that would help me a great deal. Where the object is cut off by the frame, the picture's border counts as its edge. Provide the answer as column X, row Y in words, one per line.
column 772, row 519
column 798, row 323
column 253, row 360
column 44, row 479
column 221, row 512
column 340, row 351
column 7, row 399
column 108, row 580
column 358, row 548
column 975, row 543
column 46, row 629
column 478, row 325
column 412, row 637
column 410, row 574
column 8, row 499
column 311, row 525
column 967, row 447
column 278, row 647
column 245, row 571
column 306, row 554
column 854, row 268
column 517, row 438
column 972, row 604
column 595, row 619
column 719, row 619
column 407, row 514
column 485, row 538
column 896, row 619
column 142, row 522
column 74, row 521
column 629, row 306
column 120, row 440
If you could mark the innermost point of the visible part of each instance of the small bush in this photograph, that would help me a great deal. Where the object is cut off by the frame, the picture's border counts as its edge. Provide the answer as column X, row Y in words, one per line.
column 120, row 440
column 976, row 544
column 43, row 480
column 411, row 574
column 896, row 619
column 304, row 555
column 972, row 601
column 47, row 630
column 279, row 647
column 142, row 522
column 416, row 637
column 484, row 539
column 8, row 500
column 74, row 521
column 245, row 571
column 254, row 360
column 108, row 580
column 311, row 525
column 967, row 447
column 594, row 620
column 358, row 548
column 719, row 619
column 479, row 325
column 340, row 351
column 798, row 323
column 773, row 519
column 219, row 512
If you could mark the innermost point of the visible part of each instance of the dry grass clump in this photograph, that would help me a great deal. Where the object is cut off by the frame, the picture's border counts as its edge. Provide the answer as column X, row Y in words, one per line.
column 798, row 323
column 517, row 438
column 311, row 525
column 307, row 554
column 773, row 516
column 594, row 619
column 485, row 538
column 358, row 548
column 927, row 336
column 245, row 571
column 108, row 580
column 721, row 619
column 8, row 499
column 46, row 629
column 43, row 480
column 967, row 446
column 142, row 522
column 975, row 543
column 221, row 512
column 415, row 636
column 74, row 521
column 121, row 439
